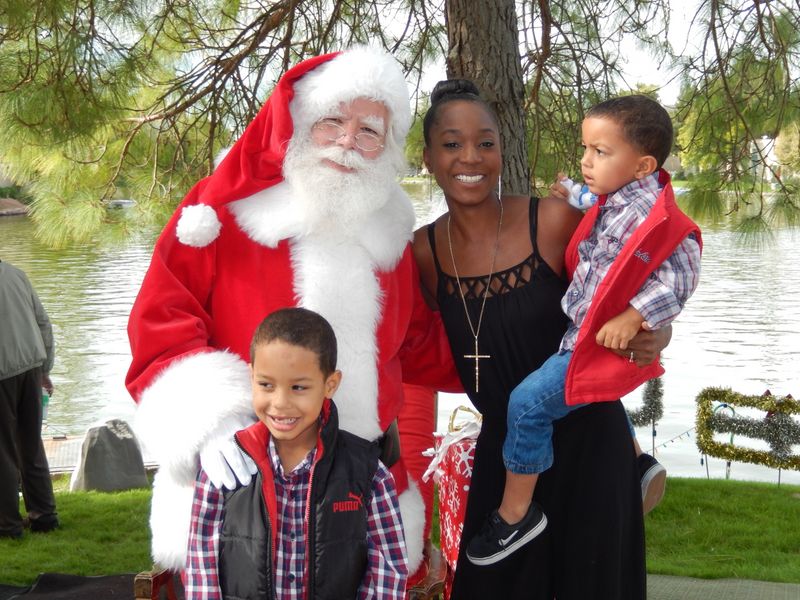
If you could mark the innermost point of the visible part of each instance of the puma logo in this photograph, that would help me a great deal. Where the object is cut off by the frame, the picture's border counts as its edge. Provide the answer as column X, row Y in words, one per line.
column 354, row 502
column 643, row 256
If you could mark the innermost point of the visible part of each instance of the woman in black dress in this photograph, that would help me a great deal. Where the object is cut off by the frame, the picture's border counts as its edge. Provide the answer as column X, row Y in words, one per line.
column 494, row 268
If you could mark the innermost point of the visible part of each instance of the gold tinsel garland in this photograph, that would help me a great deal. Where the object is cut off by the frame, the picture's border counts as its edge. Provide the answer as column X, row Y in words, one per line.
column 777, row 428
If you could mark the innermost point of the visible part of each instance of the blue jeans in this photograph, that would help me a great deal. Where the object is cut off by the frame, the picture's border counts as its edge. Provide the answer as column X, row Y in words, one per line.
column 534, row 404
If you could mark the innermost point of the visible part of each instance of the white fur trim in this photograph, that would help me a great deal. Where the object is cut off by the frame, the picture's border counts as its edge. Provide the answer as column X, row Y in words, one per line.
column 335, row 278
column 269, row 216
column 170, row 519
column 412, row 511
column 221, row 156
column 387, row 232
column 198, row 225
column 360, row 72
column 204, row 394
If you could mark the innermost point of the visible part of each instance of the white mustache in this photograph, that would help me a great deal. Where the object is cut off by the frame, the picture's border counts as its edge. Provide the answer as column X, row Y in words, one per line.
column 347, row 158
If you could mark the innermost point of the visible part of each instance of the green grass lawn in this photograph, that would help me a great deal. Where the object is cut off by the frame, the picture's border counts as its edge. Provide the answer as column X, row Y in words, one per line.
column 100, row 534
column 718, row 528
column 707, row 529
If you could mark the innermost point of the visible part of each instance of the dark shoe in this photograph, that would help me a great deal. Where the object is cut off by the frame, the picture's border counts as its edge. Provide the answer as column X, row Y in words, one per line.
column 44, row 524
column 498, row 539
column 653, row 476
column 14, row 535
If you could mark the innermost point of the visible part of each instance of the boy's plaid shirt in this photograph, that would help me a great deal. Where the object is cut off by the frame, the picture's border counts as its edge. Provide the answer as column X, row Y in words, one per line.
column 386, row 573
column 662, row 295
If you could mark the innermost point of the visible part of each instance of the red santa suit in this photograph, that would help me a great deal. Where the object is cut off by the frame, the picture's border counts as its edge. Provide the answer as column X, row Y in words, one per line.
column 238, row 248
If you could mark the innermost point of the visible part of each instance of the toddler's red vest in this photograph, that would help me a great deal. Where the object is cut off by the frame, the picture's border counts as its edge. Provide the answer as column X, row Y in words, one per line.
column 596, row 374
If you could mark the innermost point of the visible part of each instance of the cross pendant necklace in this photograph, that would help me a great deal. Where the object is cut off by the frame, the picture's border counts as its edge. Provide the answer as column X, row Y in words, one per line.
column 476, row 355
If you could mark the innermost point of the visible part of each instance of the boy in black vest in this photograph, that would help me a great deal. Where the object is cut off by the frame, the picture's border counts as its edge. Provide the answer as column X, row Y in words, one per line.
column 321, row 518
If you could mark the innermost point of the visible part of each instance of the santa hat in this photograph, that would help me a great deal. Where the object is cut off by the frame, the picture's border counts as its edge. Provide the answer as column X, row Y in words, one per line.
column 305, row 93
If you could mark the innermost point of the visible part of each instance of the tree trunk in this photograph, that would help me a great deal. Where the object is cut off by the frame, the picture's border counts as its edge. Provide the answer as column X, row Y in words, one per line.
column 484, row 47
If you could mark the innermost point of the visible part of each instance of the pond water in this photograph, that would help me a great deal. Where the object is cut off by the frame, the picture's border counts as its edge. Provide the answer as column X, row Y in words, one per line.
column 741, row 330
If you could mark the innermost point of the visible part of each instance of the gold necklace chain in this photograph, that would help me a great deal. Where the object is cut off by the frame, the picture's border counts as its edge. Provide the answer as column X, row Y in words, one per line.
column 476, row 332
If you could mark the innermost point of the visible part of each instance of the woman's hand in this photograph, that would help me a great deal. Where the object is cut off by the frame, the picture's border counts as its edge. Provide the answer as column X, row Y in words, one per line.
column 646, row 345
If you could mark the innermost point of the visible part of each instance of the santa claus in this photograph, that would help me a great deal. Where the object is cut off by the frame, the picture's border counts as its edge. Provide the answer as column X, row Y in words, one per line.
column 305, row 210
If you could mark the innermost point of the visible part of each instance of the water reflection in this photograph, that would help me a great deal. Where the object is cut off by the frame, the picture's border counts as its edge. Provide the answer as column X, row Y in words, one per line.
column 741, row 329
column 88, row 291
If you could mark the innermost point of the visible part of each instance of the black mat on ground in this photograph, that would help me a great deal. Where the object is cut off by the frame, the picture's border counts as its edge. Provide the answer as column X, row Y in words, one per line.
column 9, row 591
column 55, row 586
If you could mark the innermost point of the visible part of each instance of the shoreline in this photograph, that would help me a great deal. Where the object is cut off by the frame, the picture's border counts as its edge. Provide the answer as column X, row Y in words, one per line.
column 10, row 207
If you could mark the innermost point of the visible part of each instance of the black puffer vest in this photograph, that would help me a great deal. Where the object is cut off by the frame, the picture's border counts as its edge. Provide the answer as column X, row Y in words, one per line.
column 336, row 525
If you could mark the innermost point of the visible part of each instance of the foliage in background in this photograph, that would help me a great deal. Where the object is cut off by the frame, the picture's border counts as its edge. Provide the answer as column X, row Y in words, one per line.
column 739, row 95
column 572, row 55
column 101, row 99
column 104, row 99
column 15, row 192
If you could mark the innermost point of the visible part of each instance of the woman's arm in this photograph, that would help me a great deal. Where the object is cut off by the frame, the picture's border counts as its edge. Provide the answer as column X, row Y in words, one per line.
column 556, row 223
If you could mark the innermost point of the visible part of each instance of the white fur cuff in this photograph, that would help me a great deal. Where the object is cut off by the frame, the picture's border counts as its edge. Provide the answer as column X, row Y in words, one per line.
column 170, row 519
column 193, row 398
column 412, row 511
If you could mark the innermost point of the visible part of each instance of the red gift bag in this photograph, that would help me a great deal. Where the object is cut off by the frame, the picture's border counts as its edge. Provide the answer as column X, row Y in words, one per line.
column 451, row 467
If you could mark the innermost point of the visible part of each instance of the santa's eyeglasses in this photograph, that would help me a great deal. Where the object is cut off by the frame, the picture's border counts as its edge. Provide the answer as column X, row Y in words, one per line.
column 332, row 131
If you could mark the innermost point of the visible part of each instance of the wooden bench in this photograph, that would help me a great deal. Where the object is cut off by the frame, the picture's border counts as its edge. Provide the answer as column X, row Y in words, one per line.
column 432, row 585
column 157, row 584
column 160, row 584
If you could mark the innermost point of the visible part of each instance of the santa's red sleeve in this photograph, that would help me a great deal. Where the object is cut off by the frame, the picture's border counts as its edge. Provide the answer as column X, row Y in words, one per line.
column 428, row 366
column 425, row 354
column 185, row 387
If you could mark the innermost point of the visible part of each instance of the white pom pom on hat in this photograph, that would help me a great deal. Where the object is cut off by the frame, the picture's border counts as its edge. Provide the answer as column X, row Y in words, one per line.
column 198, row 225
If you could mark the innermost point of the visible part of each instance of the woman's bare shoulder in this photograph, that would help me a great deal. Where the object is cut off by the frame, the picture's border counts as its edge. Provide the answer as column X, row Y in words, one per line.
column 556, row 223
column 557, row 219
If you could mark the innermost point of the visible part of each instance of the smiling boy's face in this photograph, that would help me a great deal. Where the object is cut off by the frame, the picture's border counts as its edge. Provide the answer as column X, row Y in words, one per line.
column 289, row 389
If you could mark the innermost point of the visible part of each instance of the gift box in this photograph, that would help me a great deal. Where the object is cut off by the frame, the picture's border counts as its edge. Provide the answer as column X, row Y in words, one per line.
column 451, row 468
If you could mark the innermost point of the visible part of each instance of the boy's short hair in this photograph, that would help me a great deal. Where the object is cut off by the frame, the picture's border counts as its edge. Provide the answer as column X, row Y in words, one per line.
column 644, row 122
column 298, row 327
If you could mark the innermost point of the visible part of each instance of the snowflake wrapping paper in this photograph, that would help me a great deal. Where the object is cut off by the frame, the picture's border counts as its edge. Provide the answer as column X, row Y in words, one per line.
column 451, row 468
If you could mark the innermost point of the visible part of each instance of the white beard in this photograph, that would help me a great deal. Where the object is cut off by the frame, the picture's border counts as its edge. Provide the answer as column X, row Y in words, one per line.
column 331, row 201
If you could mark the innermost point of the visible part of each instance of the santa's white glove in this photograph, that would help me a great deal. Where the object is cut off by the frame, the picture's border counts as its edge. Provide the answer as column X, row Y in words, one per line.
column 224, row 462
column 579, row 195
